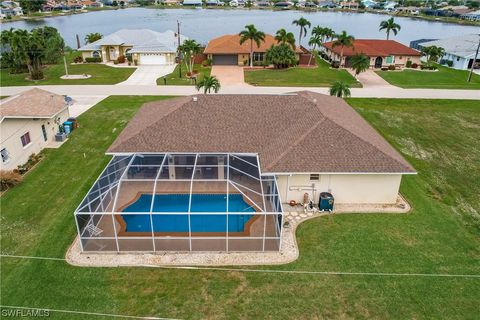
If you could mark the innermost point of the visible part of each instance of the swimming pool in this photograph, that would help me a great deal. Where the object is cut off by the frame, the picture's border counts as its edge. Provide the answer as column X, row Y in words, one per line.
column 179, row 222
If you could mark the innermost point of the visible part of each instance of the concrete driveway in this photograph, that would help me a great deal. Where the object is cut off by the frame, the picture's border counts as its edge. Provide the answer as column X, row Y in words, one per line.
column 369, row 79
column 147, row 75
column 229, row 75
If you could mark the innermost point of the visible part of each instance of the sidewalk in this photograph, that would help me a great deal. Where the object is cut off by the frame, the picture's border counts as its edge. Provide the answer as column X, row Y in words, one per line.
column 372, row 92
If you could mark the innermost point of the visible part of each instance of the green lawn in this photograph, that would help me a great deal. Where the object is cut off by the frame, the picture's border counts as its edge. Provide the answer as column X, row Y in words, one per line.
column 444, row 78
column 101, row 74
column 173, row 78
column 441, row 235
column 321, row 76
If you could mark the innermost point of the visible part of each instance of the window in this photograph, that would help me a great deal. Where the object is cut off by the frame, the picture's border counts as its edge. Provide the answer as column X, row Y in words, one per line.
column 96, row 54
column 5, row 156
column 25, row 139
column 258, row 57
column 314, row 177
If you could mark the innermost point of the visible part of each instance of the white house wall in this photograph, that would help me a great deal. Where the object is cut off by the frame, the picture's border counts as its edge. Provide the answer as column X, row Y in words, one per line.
column 346, row 188
column 12, row 129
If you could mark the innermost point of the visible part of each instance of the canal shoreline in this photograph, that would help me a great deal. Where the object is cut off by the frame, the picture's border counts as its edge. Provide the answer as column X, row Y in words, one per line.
column 37, row 17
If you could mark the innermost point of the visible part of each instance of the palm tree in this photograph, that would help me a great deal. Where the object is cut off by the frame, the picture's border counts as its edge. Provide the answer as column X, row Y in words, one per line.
column 189, row 48
column 284, row 37
column 340, row 89
column 303, row 24
column 433, row 53
column 251, row 33
column 360, row 63
column 343, row 40
column 208, row 83
column 389, row 25
column 92, row 37
column 315, row 40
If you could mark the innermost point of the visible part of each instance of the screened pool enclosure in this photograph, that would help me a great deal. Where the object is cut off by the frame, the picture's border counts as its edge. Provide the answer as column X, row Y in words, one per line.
column 181, row 202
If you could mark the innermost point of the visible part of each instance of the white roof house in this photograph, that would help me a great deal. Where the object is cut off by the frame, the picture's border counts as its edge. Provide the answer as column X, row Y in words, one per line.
column 460, row 49
column 144, row 45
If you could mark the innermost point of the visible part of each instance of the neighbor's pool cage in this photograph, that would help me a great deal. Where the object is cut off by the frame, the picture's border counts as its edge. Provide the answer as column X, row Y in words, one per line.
column 181, row 202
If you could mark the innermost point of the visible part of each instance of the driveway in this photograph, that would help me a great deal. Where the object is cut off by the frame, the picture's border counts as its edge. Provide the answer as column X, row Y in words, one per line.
column 147, row 75
column 369, row 79
column 229, row 75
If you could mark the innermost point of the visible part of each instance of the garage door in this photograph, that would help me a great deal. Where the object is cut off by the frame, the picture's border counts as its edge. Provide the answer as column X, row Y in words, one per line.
column 153, row 59
column 225, row 59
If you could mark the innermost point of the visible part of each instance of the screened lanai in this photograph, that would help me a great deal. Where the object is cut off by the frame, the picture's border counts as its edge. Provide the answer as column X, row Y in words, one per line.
column 181, row 202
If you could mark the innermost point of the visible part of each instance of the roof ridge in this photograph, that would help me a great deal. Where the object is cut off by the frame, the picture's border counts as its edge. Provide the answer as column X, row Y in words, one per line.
column 368, row 142
column 296, row 142
column 156, row 120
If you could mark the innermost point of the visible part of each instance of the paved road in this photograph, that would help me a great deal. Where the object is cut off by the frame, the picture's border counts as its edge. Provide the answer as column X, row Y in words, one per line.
column 147, row 75
column 103, row 90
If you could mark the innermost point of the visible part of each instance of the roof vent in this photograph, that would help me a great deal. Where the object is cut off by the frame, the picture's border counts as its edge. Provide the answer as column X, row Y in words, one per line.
column 195, row 99
column 314, row 100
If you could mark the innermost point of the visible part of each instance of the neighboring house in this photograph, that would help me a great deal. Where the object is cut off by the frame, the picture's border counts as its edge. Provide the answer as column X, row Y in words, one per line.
column 227, row 50
column 407, row 10
column 192, row 3
column 172, row 2
column 262, row 4
column 471, row 16
column 237, row 3
column 327, row 4
column 28, row 123
column 460, row 50
column 146, row 47
column 349, row 5
column 369, row 3
column 382, row 53
column 389, row 5
column 236, row 161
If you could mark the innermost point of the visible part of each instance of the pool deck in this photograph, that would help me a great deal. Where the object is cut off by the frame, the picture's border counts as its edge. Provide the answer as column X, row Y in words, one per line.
column 288, row 252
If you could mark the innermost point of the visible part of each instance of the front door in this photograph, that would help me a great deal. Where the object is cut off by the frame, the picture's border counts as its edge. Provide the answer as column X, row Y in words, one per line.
column 378, row 62
column 44, row 132
column 112, row 53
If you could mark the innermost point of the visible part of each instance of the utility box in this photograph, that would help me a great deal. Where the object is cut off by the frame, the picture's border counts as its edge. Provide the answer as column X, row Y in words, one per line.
column 326, row 201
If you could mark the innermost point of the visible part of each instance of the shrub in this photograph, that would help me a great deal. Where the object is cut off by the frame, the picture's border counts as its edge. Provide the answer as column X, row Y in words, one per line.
column 449, row 63
column 384, row 68
column 414, row 65
column 121, row 59
column 408, row 64
column 78, row 59
column 335, row 64
column 93, row 60
column 391, row 67
column 9, row 179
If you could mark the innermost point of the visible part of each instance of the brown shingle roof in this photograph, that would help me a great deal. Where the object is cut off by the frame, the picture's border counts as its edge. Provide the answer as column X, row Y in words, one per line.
column 374, row 48
column 230, row 44
column 34, row 103
column 301, row 132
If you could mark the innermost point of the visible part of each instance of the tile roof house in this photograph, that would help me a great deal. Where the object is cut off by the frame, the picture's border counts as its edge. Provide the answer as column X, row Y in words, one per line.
column 187, row 169
column 227, row 50
column 28, row 123
column 382, row 53
column 147, row 47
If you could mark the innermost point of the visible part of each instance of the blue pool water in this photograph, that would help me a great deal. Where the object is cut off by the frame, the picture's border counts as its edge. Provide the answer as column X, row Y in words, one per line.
column 179, row 222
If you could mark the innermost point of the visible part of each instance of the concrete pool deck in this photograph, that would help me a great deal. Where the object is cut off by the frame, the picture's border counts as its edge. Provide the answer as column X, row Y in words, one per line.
column 289, row 251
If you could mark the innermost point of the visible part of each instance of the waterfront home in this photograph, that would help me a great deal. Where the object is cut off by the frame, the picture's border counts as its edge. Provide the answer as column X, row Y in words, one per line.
column 28, row 123
column 220, row 181
column 142, row 46
column 389, row 5
column 349, row 5
column 262, row 4
column 192, row 3
column 283, row 4
column 227, row 50
column 407, row 10
column 459, row 50
column 382, row 53
column 327, row 4
column 369, row 3
column 471, row 16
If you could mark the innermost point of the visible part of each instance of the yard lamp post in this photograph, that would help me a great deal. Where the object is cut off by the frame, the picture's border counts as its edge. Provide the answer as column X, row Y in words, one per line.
column 474, row 60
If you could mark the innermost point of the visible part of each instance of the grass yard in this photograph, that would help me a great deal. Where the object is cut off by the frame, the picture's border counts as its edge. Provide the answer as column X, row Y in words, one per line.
column 321, row 76
column 444, row 78
column 441, row 235
column 101, row 74
column 174, row 80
